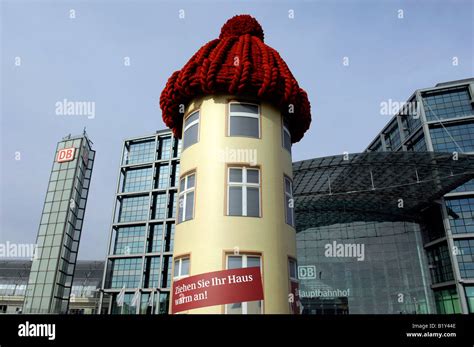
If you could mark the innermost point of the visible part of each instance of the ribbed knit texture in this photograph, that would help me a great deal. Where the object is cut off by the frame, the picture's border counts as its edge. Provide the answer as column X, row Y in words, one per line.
column 237, row 63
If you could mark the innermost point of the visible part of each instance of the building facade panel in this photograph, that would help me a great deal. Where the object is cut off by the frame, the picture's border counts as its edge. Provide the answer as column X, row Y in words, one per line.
column 52, row 271
column 137, row 275
column 446, row 114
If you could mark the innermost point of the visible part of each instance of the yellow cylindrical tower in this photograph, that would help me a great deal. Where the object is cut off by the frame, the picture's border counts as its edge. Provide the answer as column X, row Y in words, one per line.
column 235, row 205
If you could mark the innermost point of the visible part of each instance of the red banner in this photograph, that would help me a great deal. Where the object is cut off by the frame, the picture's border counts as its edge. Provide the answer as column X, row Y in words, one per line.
column 217, row 288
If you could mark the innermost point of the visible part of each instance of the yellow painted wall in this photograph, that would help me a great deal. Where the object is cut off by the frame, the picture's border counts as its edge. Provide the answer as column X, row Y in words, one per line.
column 211, row 233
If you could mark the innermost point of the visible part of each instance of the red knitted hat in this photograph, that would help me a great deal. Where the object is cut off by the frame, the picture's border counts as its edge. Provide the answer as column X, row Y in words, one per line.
column 237, row 63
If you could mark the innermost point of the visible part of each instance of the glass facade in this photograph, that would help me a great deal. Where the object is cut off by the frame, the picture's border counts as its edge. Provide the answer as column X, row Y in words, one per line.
column 447, row 103
column 461, row 213
column 453, row 138
column 447, row 301
column 470, row 298
column 447, row 113
column 142, row 235
column 385, row 276
column 137, row 180
column 52, row 271
column 392, row 138
column 417, row 145
column 377, row 146
column 129, row 240
column 464, row 252
column 85, row 288
column 410, row 117
column 134, row 208
column 440, row 264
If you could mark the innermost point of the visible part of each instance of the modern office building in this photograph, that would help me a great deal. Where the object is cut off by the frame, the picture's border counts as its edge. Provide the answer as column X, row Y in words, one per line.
column 410, row 208
column 441, row 119
column 59, row 234
column 362, row 222
column 14, row 274
column 140, row 249
column 239, row 109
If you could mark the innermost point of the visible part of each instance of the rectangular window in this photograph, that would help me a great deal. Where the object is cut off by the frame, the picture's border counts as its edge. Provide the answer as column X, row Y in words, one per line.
column 163, row 178
column 447, row 103
column 243, row 193
column 141, row 151
column 464, row 252
column 181, row 267
column 453, row 138
column 286, row 135
column 293, row 280
column 136, row 180
column 129, row 240
column 152, row 272
column 134, row 209
column 244, row 120
column 159, row 206
column 164, row 149
column 292, row 269
column 238, row 262
column 461, row 220
column 126, row 272
column 289, row 202
column 186, row 198
column 191, row 130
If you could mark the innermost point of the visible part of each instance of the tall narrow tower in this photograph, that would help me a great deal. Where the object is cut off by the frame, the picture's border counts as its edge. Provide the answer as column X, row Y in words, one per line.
column 239, row 109
column 59, row 234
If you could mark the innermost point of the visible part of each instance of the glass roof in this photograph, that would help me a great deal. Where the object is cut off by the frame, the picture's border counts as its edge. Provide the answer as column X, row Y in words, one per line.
column 374, row 186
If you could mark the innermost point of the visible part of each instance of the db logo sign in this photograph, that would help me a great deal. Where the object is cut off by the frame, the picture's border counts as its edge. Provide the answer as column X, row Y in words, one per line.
column 307, row 272
column 66, row 154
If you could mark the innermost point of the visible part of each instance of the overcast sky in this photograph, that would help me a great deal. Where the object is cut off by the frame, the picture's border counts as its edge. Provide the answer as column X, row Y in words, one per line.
column 82, row 59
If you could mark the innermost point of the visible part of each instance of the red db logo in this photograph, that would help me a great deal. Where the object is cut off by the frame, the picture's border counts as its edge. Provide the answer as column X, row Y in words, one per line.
column 66, row 154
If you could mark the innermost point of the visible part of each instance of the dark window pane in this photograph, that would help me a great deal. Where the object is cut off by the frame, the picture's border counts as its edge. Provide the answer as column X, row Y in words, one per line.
column 189, row 205
column 191, row 119
column 289, row 211
column 247, row 108
column 234, row 262
column 253, row 261
column 287, row 141
column 235, row 201
column 235, row 175
column 176, row 268
column 180, row 207
column 244, row 126
column 190, row 136
column 287, row 185
column 292, row 269
column 252, row 176
column 253, row 203
column 190, row 181
column 185, row 267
